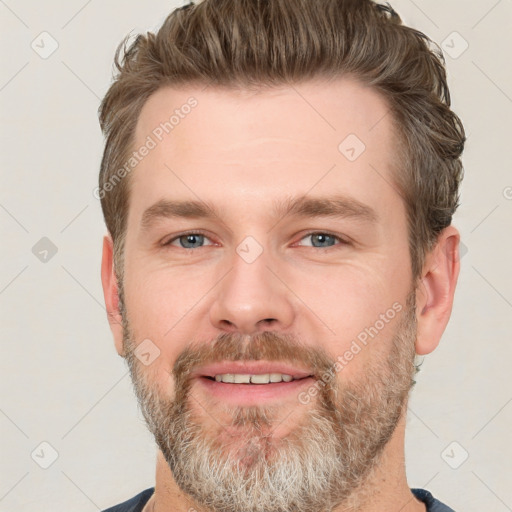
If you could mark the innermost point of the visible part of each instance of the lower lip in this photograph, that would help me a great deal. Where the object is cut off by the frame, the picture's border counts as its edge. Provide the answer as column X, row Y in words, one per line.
column 254, row 394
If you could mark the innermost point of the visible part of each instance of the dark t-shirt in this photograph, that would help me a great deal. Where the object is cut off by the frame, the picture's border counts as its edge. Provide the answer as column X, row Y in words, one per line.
column 136, row 504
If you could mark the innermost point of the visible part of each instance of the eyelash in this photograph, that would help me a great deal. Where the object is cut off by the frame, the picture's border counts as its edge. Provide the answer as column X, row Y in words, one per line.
column 186, row 233
column 341, row 241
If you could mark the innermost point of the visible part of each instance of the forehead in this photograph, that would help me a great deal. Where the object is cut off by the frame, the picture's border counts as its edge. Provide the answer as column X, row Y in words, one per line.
column 218, row 143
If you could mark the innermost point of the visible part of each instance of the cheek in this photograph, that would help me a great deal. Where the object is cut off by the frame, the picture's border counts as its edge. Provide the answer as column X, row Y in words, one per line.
column 159, row 300
column 159, row 308
column 352, row 310
column 347, row 297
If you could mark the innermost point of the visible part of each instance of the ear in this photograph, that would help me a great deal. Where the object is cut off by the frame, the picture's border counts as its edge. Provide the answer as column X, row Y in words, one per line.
column 110, row 293
column 434, row 295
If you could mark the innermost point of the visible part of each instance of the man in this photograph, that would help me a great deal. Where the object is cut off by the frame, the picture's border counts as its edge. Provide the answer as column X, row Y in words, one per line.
column 278, row 184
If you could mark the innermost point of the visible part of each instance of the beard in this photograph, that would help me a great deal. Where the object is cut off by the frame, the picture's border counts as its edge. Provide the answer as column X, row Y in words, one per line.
column 334, row 447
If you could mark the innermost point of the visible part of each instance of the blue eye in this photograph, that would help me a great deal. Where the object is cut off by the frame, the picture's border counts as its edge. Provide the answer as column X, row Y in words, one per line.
column 191, row 241
column 317, row 240
column 188, row 241
column 321, row 240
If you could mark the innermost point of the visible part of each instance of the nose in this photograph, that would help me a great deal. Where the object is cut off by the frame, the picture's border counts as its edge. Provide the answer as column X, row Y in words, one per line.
column 251, row 299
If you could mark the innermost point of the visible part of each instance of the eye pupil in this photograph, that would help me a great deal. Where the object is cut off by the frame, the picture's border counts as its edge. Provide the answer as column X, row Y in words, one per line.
column 323, row 240
column 191, row 241
column 195, row 240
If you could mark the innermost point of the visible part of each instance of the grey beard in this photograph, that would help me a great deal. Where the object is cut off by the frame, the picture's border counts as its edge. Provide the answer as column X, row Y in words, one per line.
column 322, row 463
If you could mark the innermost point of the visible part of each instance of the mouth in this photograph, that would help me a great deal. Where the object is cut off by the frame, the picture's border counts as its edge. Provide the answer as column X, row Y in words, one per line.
column 245, row 378
column 252, row 382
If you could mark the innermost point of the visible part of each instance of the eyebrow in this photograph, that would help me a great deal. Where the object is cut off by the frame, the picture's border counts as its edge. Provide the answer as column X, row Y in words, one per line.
column 338, row 206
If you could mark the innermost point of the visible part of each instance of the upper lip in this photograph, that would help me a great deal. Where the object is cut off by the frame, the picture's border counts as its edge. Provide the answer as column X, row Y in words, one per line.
column 251, row 368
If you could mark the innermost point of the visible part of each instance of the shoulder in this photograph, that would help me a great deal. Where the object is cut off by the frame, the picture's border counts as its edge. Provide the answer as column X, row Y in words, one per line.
column 135, row 504
column 432, row 504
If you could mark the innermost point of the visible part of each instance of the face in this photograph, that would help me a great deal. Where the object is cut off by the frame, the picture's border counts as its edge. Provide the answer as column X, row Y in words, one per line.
column 267, row 274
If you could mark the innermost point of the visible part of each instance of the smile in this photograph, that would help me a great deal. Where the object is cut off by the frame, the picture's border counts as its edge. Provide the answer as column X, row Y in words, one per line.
column 265, row 378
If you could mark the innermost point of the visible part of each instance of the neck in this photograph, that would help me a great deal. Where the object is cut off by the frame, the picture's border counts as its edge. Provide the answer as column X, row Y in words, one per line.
column 385, row 490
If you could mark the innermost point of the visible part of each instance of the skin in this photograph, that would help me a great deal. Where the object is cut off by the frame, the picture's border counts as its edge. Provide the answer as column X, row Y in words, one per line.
column 242, row 152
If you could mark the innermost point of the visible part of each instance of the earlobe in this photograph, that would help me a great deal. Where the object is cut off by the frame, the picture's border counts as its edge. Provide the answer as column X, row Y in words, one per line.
column 110, row 293
column 434, row 296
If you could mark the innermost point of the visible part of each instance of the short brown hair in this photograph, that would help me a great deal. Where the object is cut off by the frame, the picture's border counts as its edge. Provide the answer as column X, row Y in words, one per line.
column 259, row 43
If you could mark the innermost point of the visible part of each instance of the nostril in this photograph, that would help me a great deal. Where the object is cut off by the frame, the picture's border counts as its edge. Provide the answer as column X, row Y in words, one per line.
column 227, row 323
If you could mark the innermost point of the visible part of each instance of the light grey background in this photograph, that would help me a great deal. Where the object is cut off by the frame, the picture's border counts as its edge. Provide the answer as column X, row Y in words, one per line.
column 62, row 381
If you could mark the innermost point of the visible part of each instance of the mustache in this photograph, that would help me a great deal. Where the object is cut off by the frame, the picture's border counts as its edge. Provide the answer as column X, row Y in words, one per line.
column 267, row 345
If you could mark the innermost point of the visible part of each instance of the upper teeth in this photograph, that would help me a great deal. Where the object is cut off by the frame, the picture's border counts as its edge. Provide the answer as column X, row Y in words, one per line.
column 239, row 378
